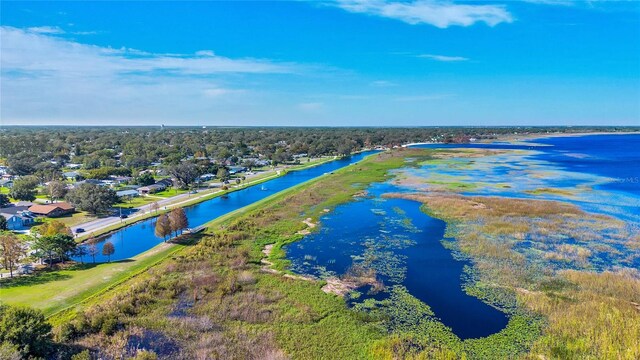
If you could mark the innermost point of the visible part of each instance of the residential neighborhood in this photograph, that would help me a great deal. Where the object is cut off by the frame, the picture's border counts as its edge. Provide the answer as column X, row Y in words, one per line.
column 81, row 197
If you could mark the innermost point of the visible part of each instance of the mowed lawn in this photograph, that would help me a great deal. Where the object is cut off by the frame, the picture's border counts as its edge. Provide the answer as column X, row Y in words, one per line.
column 53, row 291
column 74, row 219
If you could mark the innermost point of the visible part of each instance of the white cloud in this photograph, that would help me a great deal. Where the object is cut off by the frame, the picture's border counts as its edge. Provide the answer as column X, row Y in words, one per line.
column 205, row 53
column 552, row 2
column 45, row 77
column 439, row 13
column 382, row 83
column 29, row 51
column 45, row 30
column 443, row 58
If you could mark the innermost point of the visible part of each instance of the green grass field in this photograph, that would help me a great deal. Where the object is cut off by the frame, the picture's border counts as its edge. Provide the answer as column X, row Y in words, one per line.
column 53, row 291
column 136, row 202
column 70, row 220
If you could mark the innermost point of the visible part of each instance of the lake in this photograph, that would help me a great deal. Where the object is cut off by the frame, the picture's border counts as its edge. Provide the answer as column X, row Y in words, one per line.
column 404, row 244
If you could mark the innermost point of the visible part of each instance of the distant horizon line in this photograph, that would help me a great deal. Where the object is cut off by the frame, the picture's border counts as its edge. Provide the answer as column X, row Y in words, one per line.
column 328, row 126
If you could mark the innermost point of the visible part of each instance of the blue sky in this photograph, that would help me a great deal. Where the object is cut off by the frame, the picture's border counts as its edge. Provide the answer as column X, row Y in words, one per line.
column 344, row 63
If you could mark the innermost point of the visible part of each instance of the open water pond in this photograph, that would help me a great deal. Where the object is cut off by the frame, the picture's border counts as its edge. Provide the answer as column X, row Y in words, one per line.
column 403, row 245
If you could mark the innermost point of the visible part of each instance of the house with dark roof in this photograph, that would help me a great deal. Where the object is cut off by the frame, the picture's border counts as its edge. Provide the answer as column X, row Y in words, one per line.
column 18, row 217
column 166, row 182
column 145, row 190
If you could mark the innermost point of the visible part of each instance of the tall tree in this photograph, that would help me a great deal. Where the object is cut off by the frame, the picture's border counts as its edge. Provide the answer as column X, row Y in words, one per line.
column 145, row 179
column 56, row 190
column 92, row 198
column 64, row 246
column 108, row 249
column 44, row 248
column 4, row 201
column 92, row 250
column 163, row 226
column 24, row 188
column 223, row 174
column 59, row 245
column 11, row 251
column 51, row 228
column 154, row 206
column 80, row 251
column 23, row 163
column 186, row 173
column 3, row 223
column 46, row 171
column 178, row 220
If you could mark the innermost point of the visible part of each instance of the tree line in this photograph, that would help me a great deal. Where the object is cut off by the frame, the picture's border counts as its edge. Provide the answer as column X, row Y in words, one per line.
column 29, row 150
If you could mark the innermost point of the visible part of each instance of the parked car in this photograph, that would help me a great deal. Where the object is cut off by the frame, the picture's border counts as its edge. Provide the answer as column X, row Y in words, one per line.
column 79, row 230
column 124, row 216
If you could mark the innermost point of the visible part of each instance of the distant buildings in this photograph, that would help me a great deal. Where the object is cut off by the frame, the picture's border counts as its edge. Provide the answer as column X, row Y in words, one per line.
column 129, row 193
column 72, row 175
column 160, row 185
column 8, row 183
column 118, row 180
column 207, row 177
column 236, row 169
column 93, row 182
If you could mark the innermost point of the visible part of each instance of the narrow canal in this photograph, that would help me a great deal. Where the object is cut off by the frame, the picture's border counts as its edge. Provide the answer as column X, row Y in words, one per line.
column 140, row 237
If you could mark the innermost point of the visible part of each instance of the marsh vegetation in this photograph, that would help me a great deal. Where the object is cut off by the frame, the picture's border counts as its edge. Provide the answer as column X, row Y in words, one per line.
column 216, row 299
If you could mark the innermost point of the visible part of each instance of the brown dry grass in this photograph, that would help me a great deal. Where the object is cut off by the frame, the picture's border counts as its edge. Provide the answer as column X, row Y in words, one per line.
column 590, row 315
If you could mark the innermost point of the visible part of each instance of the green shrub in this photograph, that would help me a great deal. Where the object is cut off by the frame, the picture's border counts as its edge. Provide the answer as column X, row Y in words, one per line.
column 85, row 355
column 26, row 329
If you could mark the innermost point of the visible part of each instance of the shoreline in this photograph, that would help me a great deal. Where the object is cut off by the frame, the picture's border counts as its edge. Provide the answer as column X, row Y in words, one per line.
column 516, row 138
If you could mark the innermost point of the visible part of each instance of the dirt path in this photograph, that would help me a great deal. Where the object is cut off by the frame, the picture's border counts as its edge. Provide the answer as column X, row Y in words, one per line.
column 338, row 287
column 267, row 266
column 310, row 225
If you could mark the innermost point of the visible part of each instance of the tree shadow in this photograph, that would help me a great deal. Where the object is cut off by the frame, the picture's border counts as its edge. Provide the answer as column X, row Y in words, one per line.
column 47, row 275
column 187, row 239
column 39, row 277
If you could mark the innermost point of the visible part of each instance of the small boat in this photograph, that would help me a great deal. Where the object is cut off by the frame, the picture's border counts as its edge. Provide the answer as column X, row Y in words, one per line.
column 263, row 188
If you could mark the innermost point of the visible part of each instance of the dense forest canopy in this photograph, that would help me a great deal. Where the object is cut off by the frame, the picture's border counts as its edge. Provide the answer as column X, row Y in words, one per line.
column 40, row 150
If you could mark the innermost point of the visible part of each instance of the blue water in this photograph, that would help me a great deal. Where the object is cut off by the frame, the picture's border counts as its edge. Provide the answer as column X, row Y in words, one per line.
column 614, row 156
column 403, row 244
column 140, row 237
column 414, row 257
